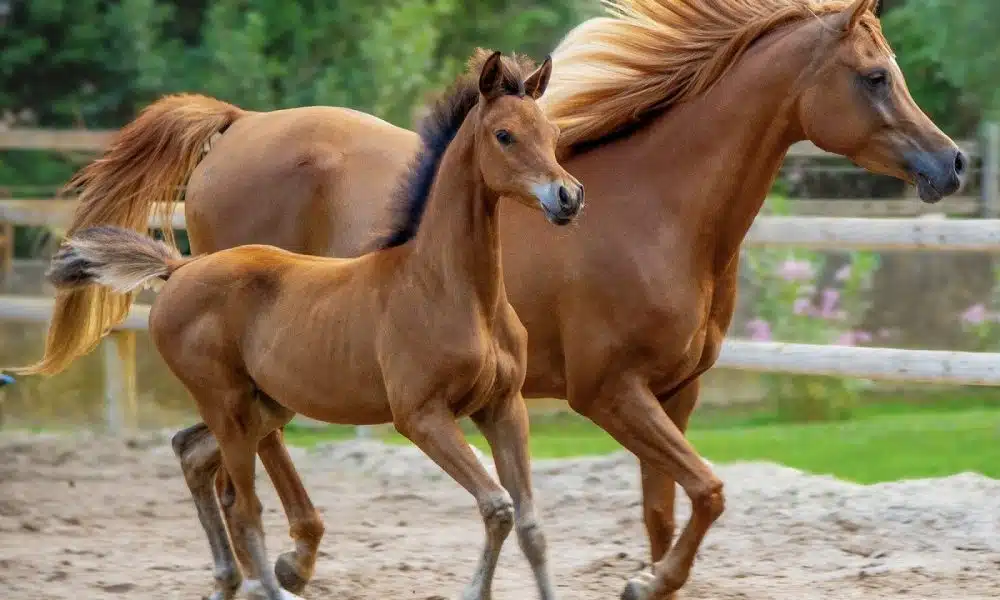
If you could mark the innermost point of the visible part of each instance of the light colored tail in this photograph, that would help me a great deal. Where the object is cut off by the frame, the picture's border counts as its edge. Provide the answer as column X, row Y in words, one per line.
column 114, row 257
column 147, row 163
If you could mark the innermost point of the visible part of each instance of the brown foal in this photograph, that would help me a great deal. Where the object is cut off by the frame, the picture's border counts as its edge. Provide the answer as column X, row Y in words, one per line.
column 418, row 333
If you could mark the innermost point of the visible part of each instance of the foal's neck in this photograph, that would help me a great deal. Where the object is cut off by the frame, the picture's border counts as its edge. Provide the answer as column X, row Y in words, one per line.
column 457, row 246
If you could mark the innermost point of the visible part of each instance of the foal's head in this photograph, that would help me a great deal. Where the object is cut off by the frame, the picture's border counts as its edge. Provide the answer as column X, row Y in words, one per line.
column 516, row 143
column 856, row 103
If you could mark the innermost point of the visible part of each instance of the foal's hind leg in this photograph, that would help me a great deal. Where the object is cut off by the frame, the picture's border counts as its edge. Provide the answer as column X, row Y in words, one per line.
column 295, row 568
column 506, row 429
column 434, row 430
column 199, row 456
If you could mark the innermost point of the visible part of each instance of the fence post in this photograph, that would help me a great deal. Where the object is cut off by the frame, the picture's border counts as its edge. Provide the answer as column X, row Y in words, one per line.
column 6, row 250
column 120, row 394
column 991, row 170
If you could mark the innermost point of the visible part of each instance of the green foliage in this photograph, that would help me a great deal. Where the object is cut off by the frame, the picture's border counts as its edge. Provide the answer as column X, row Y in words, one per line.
column 95, row 63
column 950, row 54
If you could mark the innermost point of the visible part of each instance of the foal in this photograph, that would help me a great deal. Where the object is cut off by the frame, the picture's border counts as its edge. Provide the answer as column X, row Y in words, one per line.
column 418, row 333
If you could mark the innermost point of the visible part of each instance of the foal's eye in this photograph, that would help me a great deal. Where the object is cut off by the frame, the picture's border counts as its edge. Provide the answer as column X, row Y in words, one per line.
column 504, row 137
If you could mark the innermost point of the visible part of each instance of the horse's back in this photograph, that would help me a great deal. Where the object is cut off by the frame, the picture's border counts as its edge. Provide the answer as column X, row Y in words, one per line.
column 315, row 180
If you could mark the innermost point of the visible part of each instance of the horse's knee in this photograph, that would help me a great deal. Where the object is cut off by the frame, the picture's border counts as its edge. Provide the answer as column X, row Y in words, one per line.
column 497, row 510
column 709, row 502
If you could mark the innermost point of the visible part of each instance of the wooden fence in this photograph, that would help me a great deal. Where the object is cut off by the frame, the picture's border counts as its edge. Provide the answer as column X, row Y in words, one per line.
column 818, row 232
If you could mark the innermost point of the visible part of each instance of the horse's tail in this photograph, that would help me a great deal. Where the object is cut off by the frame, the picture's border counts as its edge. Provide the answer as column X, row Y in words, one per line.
column 113, row 257
column 146, row 164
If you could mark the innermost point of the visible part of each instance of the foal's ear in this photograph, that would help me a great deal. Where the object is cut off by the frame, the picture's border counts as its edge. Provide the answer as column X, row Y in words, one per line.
column 536, row 83
column 491, row 76
column 853, row 13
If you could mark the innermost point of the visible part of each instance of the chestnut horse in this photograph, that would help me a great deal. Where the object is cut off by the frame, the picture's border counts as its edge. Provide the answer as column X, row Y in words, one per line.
column 417, row 334
column 675, row 114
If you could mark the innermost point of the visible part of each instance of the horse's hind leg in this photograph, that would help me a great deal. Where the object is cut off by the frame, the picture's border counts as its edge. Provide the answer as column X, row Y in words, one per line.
column 506, row 429
column 199, row 456
column 434, row 430
column 295, row 568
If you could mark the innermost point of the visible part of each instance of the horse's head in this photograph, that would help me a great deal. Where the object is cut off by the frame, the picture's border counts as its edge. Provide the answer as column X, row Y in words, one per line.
column 516, row 142
column 856, row 103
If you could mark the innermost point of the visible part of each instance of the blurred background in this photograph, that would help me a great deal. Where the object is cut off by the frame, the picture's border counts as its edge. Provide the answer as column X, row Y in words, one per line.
column 93, row 64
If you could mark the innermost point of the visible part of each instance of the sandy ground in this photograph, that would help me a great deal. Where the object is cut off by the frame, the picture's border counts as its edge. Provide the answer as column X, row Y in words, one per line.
column 89, row 517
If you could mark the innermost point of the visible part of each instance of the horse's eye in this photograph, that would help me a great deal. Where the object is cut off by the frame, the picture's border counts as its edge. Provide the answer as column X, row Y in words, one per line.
column 877, row 78
column 504, row 137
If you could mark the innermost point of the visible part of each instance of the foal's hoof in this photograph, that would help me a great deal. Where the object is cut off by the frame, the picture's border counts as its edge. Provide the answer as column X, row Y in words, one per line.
column 287, row 572
column 639, row 587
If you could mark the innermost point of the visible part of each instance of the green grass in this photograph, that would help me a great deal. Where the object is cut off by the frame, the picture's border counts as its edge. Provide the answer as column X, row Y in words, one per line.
column 888, row 440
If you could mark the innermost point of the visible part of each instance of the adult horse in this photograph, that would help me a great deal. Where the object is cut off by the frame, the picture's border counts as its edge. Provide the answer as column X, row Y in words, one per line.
column 676, row 117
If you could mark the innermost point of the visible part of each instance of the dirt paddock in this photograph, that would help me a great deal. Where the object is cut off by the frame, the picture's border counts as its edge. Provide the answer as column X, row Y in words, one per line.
column 88, row 517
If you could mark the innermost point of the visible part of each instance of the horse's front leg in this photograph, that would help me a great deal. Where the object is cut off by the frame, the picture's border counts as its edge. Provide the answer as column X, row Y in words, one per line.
column 506, row 429
column 658, row 488
column 629, row 411
column 432, row 428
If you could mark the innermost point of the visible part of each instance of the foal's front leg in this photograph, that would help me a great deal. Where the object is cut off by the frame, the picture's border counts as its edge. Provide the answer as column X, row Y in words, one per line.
column 506, row 429
column 433, row 429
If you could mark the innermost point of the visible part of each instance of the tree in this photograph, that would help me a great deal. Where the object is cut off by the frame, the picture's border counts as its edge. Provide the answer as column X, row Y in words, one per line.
column 950, row 53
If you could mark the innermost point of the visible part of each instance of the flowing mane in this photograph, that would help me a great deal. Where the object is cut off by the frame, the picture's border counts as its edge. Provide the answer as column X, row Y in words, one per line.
column 610, row 72
column 437, row 130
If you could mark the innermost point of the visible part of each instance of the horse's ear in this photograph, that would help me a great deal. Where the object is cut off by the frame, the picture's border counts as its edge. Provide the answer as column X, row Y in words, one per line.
column 491, row 75
column 853, row 13
column 536, row 83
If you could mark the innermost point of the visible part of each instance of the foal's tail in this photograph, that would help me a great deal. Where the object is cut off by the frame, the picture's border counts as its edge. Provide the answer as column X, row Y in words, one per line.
column 139, row 175
column 114, row 257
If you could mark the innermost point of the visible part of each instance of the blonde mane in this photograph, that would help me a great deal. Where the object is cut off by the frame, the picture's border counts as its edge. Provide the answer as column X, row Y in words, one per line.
column 609, row 72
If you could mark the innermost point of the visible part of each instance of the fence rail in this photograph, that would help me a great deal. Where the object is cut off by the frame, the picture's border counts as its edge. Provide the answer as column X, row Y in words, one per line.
column 816, row 232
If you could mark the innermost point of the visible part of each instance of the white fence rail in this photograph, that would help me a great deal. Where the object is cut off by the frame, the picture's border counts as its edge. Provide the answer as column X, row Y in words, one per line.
column 960, row 368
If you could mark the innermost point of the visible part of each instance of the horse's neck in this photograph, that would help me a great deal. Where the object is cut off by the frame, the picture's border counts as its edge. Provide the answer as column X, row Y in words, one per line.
column 458, row 244
column 737, row 136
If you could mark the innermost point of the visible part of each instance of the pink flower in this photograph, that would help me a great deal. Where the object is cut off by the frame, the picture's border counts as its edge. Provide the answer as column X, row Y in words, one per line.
column 862, row 337
column 802, row 306
column 846, row 339
column 975, row 314
column 760, row 330
column 830, row 297
column 796, row 270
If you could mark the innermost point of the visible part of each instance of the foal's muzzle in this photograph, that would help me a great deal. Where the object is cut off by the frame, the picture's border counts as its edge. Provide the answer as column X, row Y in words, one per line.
column 560, row 201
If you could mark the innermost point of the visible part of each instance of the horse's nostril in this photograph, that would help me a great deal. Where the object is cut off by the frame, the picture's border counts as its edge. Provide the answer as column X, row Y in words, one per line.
column 960, row 163
column 564, row 198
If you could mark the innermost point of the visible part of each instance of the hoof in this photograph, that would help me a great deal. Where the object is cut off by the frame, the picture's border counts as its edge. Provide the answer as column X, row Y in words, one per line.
column 255, row 590
column 288, row 575
column 638, row 588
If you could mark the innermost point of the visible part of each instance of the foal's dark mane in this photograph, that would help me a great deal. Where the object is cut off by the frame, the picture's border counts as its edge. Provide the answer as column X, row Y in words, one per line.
column 437, row 130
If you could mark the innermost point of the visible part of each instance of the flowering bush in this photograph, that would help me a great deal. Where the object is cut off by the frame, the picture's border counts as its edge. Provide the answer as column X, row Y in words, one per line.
column 789, row 308
column 984, row 325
